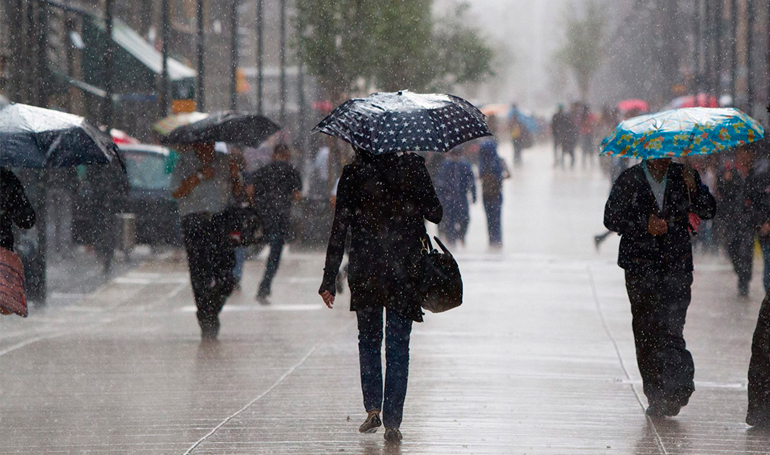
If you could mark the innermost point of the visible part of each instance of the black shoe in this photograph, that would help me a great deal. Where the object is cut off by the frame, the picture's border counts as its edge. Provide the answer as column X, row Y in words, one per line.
column 209, row 330
column 371, row 423
column 663, row 409
column 393, row 435
column 262, row 299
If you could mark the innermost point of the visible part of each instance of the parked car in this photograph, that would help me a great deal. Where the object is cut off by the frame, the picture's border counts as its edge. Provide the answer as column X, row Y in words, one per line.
column 157, row 220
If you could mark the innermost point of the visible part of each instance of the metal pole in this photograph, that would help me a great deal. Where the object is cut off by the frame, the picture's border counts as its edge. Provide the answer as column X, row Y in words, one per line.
column 108, row 64
column 16, row 27
column 283, row 63
column 697, row 47
column 733, row 48
column 708, row 47
column 718, row 50
column 164, row 79
column 201, row 96
column 234, row 55
column 749, row 59
column 260, row 51
column 302, row 112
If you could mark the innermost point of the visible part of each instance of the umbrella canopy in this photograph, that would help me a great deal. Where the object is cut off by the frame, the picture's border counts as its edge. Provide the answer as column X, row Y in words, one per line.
column 699, row 100
column 405, row 121
column 633, row 105
column 43, row 138
column 230, row 127
column 528, row 121
column 495, row 109
column 121, row 137
column 682, row 132
column 168, row 124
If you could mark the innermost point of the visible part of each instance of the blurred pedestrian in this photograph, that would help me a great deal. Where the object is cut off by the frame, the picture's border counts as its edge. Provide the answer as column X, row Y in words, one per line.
column 110, row 190
column 454, row 181
column 521, row 136
column 273, row 188
column 557, row 130
column 492, row 172
column 61, row 188
column 383, row 201
column 570, row 135
column 203, row 182
column 238, row 158
column 587, row 126
column 649, row 206
column 15, row 208
column 740, row 216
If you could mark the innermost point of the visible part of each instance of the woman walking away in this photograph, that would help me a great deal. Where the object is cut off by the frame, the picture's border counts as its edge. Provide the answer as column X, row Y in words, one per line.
column 384, row 201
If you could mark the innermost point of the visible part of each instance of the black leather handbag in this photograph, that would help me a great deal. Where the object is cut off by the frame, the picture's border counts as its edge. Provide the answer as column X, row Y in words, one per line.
column 442, row 283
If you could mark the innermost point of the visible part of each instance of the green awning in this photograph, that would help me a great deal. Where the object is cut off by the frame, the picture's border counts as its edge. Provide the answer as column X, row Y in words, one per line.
column 128, row 39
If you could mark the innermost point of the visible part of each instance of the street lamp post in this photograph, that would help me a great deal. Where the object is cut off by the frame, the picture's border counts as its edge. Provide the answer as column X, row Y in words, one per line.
column 733, row 49
column 260, row 51
column 283, row 63
column 749, row 57
column 108, row 64
column 234, row 55
column 164, row 78
column 200, row 93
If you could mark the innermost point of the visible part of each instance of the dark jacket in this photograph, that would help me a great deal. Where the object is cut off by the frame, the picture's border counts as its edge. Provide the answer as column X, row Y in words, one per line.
column 384, row 202
column 14, row 208
column 274, row 187
column 758, row 195
column 628, row 210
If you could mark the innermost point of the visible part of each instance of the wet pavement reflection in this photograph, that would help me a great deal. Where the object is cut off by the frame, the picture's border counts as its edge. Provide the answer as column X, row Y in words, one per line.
column 538, row 360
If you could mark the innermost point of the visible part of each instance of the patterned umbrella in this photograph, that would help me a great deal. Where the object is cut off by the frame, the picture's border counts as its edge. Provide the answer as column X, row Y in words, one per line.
column 682, row 132
column 405, row 121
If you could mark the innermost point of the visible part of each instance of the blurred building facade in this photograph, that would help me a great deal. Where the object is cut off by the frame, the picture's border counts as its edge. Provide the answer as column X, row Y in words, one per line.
column 45, row 59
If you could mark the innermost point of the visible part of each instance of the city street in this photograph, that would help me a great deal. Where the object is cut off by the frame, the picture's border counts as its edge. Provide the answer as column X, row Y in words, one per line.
column 538, row 360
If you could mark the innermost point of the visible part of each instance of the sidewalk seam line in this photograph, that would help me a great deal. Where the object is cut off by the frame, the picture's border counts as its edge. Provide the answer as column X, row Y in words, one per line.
column 605, row 325
column 280, row 380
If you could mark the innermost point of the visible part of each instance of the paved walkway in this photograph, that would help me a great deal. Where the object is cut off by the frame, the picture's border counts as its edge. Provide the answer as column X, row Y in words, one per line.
column 539, row 360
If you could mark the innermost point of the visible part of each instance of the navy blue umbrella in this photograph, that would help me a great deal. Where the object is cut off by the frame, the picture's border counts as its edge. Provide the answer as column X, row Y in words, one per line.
column 35, row 137
column 405, row 121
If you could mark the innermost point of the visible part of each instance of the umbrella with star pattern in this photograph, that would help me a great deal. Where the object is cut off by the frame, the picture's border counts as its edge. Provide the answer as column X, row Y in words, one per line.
column 405, row 122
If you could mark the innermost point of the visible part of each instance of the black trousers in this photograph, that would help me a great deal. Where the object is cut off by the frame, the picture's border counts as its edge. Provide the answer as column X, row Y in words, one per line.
column 759, row 369
column 740, row 248
column 659, row 301
column 211, row 258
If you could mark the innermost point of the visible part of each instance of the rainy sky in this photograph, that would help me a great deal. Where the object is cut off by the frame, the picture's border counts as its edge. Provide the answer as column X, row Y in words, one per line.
column 525, row 35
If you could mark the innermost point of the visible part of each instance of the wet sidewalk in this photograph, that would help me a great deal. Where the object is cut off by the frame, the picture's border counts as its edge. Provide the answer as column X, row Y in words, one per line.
column 538, row 360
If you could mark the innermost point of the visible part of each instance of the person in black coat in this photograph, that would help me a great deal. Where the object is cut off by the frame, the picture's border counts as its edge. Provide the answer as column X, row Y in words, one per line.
column 736, row 188
column 14, row 208
column 383, row 201
column 273, row 188
column 650, row 206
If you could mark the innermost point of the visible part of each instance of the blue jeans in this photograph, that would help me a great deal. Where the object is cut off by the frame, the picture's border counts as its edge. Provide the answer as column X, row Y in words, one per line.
column 398, row 330
column 273, row 260
column 493, row 206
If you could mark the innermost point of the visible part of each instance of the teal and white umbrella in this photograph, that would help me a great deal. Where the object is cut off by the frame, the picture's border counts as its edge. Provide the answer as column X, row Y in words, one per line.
column 682, row 132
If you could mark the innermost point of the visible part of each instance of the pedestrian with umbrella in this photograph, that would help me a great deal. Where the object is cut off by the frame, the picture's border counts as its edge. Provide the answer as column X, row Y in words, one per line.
column 203, row 181
column 655, row 206
column 383, row 200
column 34, row 137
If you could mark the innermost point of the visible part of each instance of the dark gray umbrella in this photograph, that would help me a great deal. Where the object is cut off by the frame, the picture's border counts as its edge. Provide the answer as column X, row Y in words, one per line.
column 231, row 127
column 35, row 137
column 405, row 121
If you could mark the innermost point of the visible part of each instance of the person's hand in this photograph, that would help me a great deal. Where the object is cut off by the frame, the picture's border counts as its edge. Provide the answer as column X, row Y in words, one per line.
column 656, row 226
column 764, row 230
column 328, row 298
column 207, row 171
column 689, row 178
